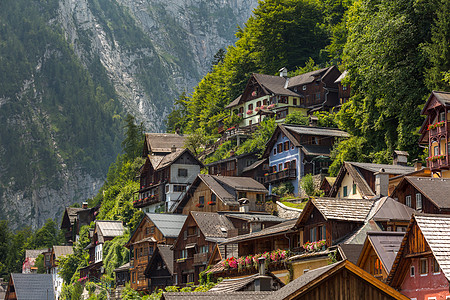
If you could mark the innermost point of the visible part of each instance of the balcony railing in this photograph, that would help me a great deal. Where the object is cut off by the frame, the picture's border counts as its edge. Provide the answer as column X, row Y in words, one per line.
column 441, row 163
column 201, row 258
column 146, row 201
column 438, row 129
column 287, row 174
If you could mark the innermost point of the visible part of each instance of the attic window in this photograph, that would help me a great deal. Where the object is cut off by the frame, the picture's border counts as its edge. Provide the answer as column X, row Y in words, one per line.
column 223, row 229
column 304, row 87
column 182, row 172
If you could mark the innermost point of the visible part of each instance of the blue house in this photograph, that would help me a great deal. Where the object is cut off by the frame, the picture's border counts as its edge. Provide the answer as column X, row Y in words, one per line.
column 295, row 151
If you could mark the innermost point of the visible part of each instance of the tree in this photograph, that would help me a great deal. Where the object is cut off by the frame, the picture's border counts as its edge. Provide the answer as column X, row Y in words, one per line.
column 259, row 138
column 307, row 185
column 134, row 138
column 297, row 118
column 178, row 117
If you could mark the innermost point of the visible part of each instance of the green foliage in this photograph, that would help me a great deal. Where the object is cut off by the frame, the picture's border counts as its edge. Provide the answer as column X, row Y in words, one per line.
column 177, row 119
column 259, row 138
column 326, row 119
column 297, row 118
column 133, row 143
column 307, row 185
column 283, row 189
column 39, row 264
column 115, row 253
column 222, row 152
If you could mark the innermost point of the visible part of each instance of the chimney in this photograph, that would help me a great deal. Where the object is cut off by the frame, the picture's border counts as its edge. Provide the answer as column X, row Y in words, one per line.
column 263, row 283
column 283, row 72
column 417, row 166
column 244, row 206
column 400, row 158
column 173, row 149
column 84, row 205
column 381, row 183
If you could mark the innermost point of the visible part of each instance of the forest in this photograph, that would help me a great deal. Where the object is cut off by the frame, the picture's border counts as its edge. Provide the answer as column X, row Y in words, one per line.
column 395, row 52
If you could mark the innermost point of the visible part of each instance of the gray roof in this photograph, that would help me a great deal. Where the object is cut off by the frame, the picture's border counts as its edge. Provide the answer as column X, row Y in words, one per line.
column 254, row 165
column 272, row 230
column 61, row 251
column 436, row 230
column 316, row 150
column 359, row 235
column 169, row 224
column 387, row 209
column 343, row 209
column 167, row 255
column 313, row 130
column 256, row 217
column 350, row 251
column 218, row 189
column 242, row 183
column 33, row 286
column 308, row 77
column 124, row 267
column 163, row 142
column 34, row 253
column 238, row 284
column 342, row 76
column 212, row 225
column 72, row 213
column 234, row 102
column 216, row 296
column 435, row 189
column 109, row 229
column 386, row 244
column 389, row 169
column 274, row 84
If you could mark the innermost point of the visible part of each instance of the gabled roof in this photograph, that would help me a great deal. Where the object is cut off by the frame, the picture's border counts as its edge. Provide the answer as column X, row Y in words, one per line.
column 389, row 169
column 123, row 268
column 315, row 130
column 166, row 254
column 169, row 159
column 387, row 209
column 234, row 102
column 33, row 286
column 215, row 227
column 256, row 218
column 442, row 97
column 34, row 253
column 355, row 210
column 437, row 190
column 163, row 142
column 436, row 232
column 216, row 296
column 254, row 165
column 109, row 229
column 303, row 284
column 386, row 245
column 350, row 251
column 70, row 215
column 169, row 224
column 309, row 77
column 61, row 251
column 274, row 85
column 281, row 228
column 239, row 284
column 342, row 76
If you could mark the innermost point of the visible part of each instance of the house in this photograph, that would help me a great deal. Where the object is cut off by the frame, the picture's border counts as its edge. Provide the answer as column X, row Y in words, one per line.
column 216, row 296
column 379, row 252
column 294, row 151
column 357, row 180
column 122, row 275
column 195, row 243
column 280, row 95
column 153, row 230
column 326, row 184
column 341, row 280
column 233, row 165
column 424, row 194
column 434, row 133
column 213, row 193
column 164, row 179
column 421, row 268
column 74, row 218
column 159, row 270
column 56, row 253
column 30, row 260
column 344, row 90
column 30, row 287
column 257, row 170
column 161, row 144
column 103, row 231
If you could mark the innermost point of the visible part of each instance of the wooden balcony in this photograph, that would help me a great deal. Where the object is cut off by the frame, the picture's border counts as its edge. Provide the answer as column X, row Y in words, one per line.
column 439, row 164
column 438, row 131
column 201, row 258
column 146, row 201
column 287, row 174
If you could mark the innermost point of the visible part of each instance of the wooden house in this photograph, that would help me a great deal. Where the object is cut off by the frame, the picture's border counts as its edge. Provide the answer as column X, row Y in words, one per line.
column 250, row 295
column 341, row 280
column 233, row 165
column 28, row 265
column 344, row 90
column 421, row 268
column 30, row 286
column 326, row 184
column 434, row 132
column 103, row 231
column 379, row 252
column 154, row 229
column 56, row 253
column 74, row 218
column 266, row 95
column 357, row 180
column 213, row 193
column 424, row 194
column 161, row 144
column 294, row 151
column 165, row 179
column 122, row 275
column 257, row 170
column 195, row 243
column 159, row 270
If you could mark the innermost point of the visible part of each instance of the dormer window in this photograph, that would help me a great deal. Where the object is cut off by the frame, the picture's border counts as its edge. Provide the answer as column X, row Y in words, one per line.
column 304, row 87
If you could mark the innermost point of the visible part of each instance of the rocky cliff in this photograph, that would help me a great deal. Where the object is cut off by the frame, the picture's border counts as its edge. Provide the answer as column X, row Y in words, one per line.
column 70, row 69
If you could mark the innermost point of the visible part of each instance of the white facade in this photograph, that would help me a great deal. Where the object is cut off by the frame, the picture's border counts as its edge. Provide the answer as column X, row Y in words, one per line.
column 57, row 281
column 98, row 253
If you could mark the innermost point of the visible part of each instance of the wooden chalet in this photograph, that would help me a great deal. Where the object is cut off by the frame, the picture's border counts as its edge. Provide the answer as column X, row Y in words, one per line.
column 379, row 251
column 74, row 218
column 434, row 132
column 103, row 231
column 251, row 295
column 357, row 180
column 233, row 165
column 294, row 151
column 195, row 243
column 326, row 184
column 424, row 194
column 159, row 270
column 421, row 268
column 161, row 144
column 30, row 286
column 122, row 275
column 266, row 95
column 154, row 229
column 257, row 170
column 213, row 193
column 164, row 179
column 51, row 261
column 341, row 280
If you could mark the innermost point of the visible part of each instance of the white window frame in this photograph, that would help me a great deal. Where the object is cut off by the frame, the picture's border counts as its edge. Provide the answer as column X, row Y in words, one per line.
column 412, row 271
column 419, row 200
column 408, row 200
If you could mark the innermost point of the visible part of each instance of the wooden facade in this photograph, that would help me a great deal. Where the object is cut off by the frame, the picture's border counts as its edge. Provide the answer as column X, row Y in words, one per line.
column 232, row 166
column 160, row 269
column 405, row 189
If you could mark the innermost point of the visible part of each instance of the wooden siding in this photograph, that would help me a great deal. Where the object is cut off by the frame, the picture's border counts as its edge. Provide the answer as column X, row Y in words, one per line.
column 204, row 191
column 410, row 190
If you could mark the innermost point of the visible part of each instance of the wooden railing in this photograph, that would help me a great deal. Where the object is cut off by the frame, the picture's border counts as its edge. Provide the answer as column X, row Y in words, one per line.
column 201, row 258
column 282, row 175
column 439, row 163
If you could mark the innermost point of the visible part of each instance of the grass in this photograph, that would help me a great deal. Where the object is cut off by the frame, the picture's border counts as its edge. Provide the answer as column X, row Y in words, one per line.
column 295, row 205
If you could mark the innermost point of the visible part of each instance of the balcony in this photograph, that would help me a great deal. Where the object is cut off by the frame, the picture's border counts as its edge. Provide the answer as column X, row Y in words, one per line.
column 146, row 201
column 438, row 129
column 201, row 258
column 440, row 163
column 287, row 174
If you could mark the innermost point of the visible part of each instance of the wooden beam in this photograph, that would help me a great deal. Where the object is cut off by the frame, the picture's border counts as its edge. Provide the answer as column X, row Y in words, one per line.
column 418, row 254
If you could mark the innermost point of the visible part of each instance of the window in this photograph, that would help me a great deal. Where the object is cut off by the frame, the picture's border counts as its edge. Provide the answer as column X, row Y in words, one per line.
column 213, row 197
column 345, row 191
column 419, row 201
column 280, row 167
column 182, row 172
column 442, row 116
column 183, row 253
column 274, row 150
column 412, row 271
column 344, row 87
column 313, row 234
column 250, row 106
column 203, row 249
column 286, row 146
column 230, row 166
column 201, row 200
column 354, row 188
column 376, row 266
column 294, row 101
column 293, row 164
column 280, row 148
column 436, row 150
column 258, row 104
column 242, row 195
column 313, row 140
column 179, row 188
column 286, row 165
column 318, row 96
column 259, row 198
column 150, row 250
column 322, row 232
column 408, row 200
column 265, row 102
column 435, row 266
column 423, row 266
column 241, row 110
column 304, row 87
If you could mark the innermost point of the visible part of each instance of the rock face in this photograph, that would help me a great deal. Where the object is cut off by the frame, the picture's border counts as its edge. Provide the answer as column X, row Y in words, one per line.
column 75, row 66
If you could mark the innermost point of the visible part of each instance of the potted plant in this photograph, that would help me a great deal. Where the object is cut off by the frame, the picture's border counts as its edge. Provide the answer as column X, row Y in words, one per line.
column 249, row 112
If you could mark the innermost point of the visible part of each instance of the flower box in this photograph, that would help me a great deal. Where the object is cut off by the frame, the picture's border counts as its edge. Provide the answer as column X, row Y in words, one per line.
column 257, row 109
column 212, row 202
column 315, row 246
column 263, row 107
column 249, row 112
column 199, row 205
column 271, row 106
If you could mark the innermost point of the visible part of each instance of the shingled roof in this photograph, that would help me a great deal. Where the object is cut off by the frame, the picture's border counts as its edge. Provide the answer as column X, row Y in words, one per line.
column 216, row 296
column 61, row 251
column 169, row 224
column 387, row 209
column 437, row 190
column 163, row 142
column 33, row 286
column 109, row 229
column 215, row 227
column 166, row 254
column 309, row 77
column 442, row 97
